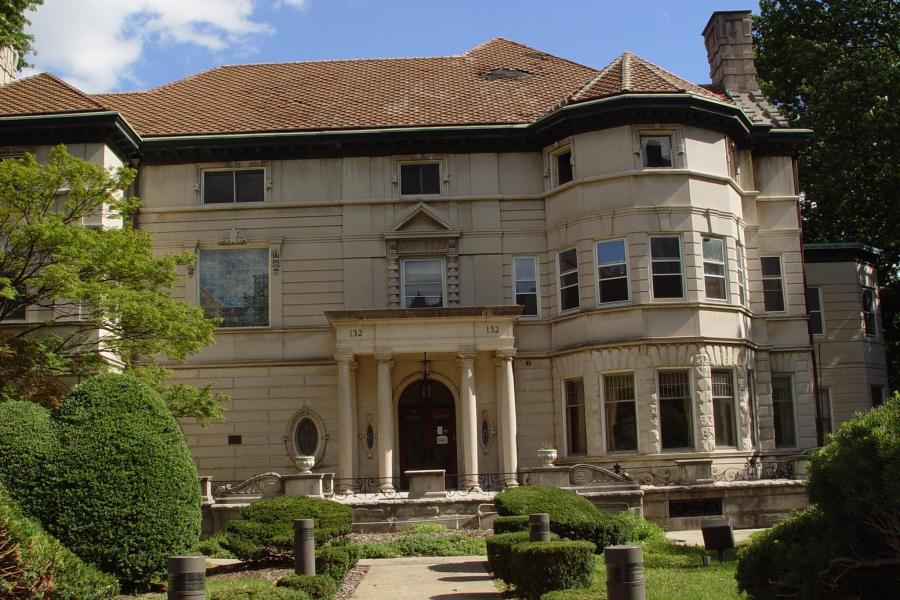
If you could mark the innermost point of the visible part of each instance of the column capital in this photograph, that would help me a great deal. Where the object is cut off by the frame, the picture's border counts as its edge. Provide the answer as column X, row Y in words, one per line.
column 345, row 359
column 465, row 354
column 502, row 356
column 384, row 356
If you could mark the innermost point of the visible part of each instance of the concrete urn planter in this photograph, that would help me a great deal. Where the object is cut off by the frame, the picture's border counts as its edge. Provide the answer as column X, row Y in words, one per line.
column 305, row 463
column 547, row 456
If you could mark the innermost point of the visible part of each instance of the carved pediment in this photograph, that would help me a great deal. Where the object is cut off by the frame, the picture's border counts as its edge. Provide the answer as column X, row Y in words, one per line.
column 422, row 221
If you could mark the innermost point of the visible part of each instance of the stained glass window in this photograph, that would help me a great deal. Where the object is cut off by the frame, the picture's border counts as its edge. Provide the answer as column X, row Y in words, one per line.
column 234, row 285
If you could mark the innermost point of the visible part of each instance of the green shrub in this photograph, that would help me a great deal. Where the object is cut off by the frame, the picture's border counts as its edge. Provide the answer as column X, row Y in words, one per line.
column 499, row 549
column 429, row 545
column 213, row 547
column 640, row 529
column 603, row 529
column 35, row 561
column 511, row 524
column 378, row 550
column 256, row 593
column 125, row 493
column 782, row 561
column 28, row 450
column 333, row 562
column 267, row 530
column 318, row 587
column 540, row 567
column 419, row 528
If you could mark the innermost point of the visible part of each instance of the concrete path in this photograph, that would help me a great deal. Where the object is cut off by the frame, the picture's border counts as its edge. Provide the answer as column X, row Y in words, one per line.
column 694, row 537
column 427, row 578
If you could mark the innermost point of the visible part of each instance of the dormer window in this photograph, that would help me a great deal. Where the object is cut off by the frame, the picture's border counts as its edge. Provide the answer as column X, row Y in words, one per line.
column 656, row 150
column 420, row 178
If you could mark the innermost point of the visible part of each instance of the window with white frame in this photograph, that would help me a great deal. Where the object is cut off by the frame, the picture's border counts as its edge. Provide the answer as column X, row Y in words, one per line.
column 773, row 283
column 620, row 412
column 676, row 421
column 665, row 259
column 714, row 268
column 568, row 279
column 814, row 307
column 724, row 414
column 612, row 271
column 420, row 178
column 785, row 420
column 234, row 286
column 742, row 275
column 525, row 282
column 423, row 282
column 562, row 167
column 656, row 150
column 870, row 326
column 576, row 436
column 226, row 186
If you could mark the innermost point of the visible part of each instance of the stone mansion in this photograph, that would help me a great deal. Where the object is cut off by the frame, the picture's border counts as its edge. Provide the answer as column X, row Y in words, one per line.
column 446, row 263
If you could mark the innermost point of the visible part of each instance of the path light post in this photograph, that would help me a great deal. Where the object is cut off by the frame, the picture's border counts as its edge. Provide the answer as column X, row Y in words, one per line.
column 304, row 547
column 539, row 527
column 187, row 578
column 624, row 573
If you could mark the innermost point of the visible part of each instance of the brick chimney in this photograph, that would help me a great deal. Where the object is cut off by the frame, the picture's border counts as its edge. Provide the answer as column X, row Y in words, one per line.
column 729, row 49
column 9, row 60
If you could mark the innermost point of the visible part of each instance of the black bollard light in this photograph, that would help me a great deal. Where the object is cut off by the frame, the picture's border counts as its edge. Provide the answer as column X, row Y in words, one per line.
column 187, row 578
column 539, row 527
column 304, row 547
column 624, row 573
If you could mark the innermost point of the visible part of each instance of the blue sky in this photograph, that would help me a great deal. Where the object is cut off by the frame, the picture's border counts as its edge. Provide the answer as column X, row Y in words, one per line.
column 119, row 45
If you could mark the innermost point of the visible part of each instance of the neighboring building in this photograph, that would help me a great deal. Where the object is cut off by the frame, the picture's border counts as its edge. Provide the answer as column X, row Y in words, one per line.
column 607, row 260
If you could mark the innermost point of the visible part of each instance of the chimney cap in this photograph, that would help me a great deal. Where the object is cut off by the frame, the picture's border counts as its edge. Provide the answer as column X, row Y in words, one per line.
column 717, row 13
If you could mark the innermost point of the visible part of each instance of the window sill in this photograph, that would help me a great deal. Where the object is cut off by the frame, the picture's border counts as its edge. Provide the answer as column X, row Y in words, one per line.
column 614, row 303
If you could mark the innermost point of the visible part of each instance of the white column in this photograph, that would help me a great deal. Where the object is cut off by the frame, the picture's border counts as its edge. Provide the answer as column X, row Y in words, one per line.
column 346, row 431
column 469, row 421
column 385, row 423
column 506, row 409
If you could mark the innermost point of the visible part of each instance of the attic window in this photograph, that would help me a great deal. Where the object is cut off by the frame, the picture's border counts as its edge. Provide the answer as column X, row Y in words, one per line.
column 538, row 55
column 505, row 74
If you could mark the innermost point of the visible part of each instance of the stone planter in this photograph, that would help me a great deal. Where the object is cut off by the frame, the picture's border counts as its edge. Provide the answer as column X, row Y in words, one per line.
column 305, row 463
column 547, row 456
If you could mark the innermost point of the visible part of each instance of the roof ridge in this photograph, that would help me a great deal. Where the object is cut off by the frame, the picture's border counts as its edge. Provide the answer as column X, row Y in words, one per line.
column 668, row 76
column 626, row 71
column 590, row 83
column 55, row 79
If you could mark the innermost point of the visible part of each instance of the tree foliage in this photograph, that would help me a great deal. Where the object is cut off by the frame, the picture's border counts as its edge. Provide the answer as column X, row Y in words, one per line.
column 12, row 26
column 834, row 67
column 96, row 295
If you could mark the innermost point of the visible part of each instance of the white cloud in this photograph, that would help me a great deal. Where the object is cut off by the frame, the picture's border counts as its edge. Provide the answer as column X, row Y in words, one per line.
column 94, row 43
column 299, row 4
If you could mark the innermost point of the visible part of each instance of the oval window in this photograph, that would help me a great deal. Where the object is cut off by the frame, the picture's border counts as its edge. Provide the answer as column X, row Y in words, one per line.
column 307, row 437
column 486, row 433
column 370, row 437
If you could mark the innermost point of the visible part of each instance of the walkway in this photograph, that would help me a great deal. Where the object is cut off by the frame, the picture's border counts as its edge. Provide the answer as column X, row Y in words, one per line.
column 694, row 537
column 427, row 578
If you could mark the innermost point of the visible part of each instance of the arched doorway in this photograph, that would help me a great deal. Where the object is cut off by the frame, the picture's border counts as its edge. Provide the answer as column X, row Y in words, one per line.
column 427, row 427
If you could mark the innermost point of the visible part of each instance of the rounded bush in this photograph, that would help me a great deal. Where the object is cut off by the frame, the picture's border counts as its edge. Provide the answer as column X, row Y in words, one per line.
column 334, row 562
column 28, row 450
column 318, row 587
column 267, row 530
column 499, row 548
column 540, row 567
column 38, row 566
column 125, row 493
column 511, row 524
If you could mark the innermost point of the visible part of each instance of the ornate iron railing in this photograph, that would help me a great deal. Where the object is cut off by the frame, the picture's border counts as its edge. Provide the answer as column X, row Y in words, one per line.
column 752, row 468
column 266, row 485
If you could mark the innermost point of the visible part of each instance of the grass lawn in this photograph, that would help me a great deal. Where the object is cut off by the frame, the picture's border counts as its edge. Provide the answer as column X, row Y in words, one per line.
column 218, row 583
column 672, row 572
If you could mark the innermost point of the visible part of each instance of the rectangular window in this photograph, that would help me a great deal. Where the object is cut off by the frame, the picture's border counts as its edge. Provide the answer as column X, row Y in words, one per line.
column 423, row 283
column 870, row 327
column 714, row 268
column 525, row 275
column 234, row 286
column 234, row 185
column 825, row 417
column 576, row 438
column 724, row 418
column 612, row 271
column 621, row 413
column 568, row 279
column 877, row 395
column 783, row 406
column 564, row 172
column 675, row 410
column 773, row 285
column 420, row 178
column 814, row 307
column 742, row 275
column 665, row 258
column 656, row 150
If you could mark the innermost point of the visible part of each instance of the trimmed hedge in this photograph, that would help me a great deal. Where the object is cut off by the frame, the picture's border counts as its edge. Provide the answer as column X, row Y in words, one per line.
column 318, row 587
column 35, row 565
column 267, row 531
column 333, row 561
column 499, row 549
column 511, row 524
column 253, row 593
column 28, row 450
column 540, row 567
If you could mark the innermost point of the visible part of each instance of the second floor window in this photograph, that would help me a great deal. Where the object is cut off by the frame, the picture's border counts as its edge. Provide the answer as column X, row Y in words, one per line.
column 612, row 271
column 423, row 283
column 234, row 185
column 420, row 178
column 714, row 268
column 525, row 282
column 656, row 150
column 814, row 307
column 564, row 173
column 869, row 324
column 773, row 284
column 568, row 279
column 234, row 286
column 742, row 275
column 665, row 256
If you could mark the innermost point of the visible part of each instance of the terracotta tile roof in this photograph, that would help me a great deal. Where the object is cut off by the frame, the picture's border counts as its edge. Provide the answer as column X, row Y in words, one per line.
column 44, row 94
column 499, row 82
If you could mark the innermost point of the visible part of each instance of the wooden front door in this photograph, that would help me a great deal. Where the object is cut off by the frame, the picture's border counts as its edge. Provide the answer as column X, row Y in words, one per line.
column 427, row 430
